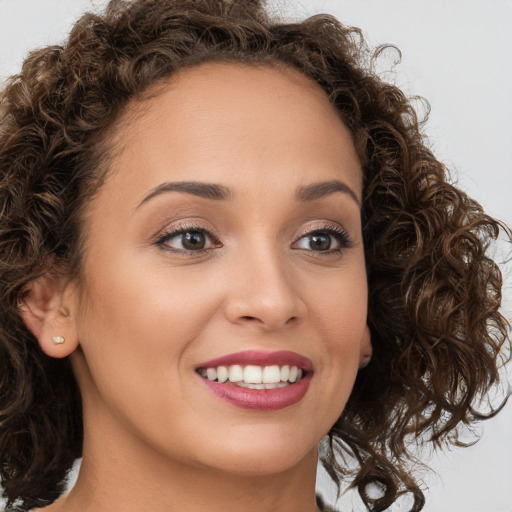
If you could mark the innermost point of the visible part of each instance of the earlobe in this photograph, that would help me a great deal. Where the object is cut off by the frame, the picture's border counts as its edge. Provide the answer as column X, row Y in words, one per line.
column 45, row 309
column 366, row 351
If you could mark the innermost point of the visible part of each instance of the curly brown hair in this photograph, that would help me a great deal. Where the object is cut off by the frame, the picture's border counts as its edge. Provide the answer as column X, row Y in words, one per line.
column 434, row 293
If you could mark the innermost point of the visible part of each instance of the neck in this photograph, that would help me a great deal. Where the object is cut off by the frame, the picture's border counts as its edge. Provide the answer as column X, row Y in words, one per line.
column 131, row 487
column 114, row 479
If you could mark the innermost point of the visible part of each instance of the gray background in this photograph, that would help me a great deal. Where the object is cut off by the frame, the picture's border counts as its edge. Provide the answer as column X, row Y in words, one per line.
column 456, row 53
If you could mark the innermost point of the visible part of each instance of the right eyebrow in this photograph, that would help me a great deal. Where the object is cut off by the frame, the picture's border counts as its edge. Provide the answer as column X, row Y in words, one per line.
column 196, row 188
column 325, row 188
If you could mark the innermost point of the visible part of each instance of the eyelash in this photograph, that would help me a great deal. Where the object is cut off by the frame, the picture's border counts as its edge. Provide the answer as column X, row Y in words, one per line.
column 339, row 234
column 335, row 232
column 181, row 230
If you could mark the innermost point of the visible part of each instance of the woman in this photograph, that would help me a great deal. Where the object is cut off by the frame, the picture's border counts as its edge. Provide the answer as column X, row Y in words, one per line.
column 210, row 222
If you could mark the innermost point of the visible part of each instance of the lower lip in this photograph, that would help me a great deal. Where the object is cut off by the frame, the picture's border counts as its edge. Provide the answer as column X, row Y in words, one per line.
column 259, row 399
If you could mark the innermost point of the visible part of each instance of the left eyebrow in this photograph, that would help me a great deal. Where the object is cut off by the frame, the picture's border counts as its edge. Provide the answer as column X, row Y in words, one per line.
column 325, row 188
column 195, row 188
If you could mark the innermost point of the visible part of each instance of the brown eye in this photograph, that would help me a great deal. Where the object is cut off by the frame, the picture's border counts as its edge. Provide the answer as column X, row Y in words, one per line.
column 187, row 240
column 319, row 242
column 327, row 240
column 193, row 240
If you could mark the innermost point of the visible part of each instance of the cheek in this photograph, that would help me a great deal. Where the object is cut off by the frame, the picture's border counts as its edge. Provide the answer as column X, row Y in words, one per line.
column 340, row 308
column 133, row 298
column 340, row 312
column 136, row 335
column 140, row 328
column 136, row 322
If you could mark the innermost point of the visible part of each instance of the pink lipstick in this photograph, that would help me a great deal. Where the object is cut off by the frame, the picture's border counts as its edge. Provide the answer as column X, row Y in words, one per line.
column 264, row 381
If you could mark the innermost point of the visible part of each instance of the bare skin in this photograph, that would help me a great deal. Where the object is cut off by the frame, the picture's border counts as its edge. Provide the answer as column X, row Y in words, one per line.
column 150, row 309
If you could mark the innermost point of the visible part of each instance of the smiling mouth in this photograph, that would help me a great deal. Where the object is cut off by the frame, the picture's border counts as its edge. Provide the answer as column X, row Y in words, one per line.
column 254, row 377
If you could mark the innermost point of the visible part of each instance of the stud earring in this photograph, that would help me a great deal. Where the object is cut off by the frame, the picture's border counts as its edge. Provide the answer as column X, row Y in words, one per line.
column 365, row 363
column 58, row 340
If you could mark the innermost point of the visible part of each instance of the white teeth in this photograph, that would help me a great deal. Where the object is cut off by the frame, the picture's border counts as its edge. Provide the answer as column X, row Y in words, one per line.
column 276, row 385
column 251, row 386
column 252, row 374
column 262, row 386
column 236, row 373
column 271, row 374
column 222, row 374
column 255, row 377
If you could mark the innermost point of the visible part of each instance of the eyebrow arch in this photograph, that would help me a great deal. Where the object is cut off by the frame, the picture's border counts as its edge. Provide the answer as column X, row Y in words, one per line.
column 195, row 188
column 325, row 188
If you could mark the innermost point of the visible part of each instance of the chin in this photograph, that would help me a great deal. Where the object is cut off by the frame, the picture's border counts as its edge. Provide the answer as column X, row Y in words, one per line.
column 258, row 465
column 266, row 454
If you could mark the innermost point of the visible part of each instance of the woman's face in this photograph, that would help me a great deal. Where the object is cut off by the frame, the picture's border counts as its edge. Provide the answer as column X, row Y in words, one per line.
column 226, row 236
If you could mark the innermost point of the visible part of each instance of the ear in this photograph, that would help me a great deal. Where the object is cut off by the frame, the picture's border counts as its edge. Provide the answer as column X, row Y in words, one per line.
column 46, row 309
column 365, row 352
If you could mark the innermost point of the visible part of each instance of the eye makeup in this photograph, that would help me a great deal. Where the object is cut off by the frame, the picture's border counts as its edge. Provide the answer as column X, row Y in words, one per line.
column 192, row 238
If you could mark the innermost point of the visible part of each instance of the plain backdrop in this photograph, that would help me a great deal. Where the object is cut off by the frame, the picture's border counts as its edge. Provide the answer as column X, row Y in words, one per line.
column 456, row 53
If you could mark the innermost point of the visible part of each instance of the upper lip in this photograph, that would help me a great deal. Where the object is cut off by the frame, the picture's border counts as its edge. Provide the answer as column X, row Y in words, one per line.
column 260, row 358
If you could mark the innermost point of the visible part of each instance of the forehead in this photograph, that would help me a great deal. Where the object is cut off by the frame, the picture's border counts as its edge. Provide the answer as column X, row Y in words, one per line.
column 224, row 119
column 226, row 84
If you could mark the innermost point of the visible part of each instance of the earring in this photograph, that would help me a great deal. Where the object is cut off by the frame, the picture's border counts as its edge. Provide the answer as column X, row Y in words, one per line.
column 365, row 363
column 58, row 340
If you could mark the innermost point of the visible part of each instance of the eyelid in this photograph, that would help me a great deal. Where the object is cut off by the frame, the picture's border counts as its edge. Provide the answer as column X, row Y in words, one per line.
column 331, row 228
column 335, row 230
column 164, row 235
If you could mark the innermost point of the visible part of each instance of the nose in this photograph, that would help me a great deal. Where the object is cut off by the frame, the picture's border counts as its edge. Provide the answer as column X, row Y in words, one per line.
column 263, row 293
